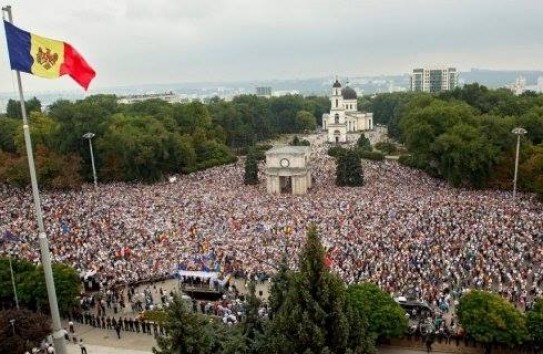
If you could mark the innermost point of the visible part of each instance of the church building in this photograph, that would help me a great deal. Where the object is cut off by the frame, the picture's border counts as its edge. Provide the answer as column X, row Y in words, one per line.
column 344, row 116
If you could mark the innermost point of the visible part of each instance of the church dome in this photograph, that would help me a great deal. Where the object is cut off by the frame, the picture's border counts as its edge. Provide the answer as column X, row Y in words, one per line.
column 336, row 84
column 348, row 93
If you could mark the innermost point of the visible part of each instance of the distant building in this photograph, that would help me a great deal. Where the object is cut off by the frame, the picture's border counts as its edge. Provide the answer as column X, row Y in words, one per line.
column 519, row 86
column 434, row 80
column 169, row 97
column 264, row 91
column 344, row 116
column 285, row 93
column 540, row 84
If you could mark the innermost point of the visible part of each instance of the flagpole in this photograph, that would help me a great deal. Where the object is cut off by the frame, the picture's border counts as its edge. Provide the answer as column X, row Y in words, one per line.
column 58, row 337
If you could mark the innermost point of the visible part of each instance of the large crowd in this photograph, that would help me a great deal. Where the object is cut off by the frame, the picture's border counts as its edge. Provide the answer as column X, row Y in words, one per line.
column 411, row 234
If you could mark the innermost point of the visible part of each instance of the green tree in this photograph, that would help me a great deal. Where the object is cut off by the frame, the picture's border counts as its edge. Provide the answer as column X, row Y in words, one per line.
column 33, row 292
column 228, row 339
column 534, row 322
column 389, row 108
column 8, row 129
column 21, row 330
column 427, row 118
column 363, row 142
column 13, row 170
column 464, row 135
column 42, row 132
column 465, row 156
column 253, row 326
column 533, row 123
column 305, row 121
column 490, row 319
column 349, row 170
column 30, row 283
column 336, row 151
column 386, row 148
column 186, row 332
column 139, row 143
column 251, row 170
column 360, row 340
column 473, row 94
column 21, row 269
column 317, row 105
column 182, row 153
column 13, row 108
column 386, row 319
column 280, row 285
column 75, row 119
column 312, row 318
column 299, row 142
column 531, row 171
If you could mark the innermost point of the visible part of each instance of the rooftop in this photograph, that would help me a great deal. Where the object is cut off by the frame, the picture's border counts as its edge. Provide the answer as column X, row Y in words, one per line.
column 287, row 149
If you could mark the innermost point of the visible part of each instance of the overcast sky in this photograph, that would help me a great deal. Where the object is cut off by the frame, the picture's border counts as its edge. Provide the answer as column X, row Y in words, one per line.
column 170, row 41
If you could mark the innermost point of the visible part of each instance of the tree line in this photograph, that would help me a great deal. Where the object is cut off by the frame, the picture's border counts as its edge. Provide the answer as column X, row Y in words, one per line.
column 143, row 141
column 25, row 328
column 465, row 136
column 30, row 284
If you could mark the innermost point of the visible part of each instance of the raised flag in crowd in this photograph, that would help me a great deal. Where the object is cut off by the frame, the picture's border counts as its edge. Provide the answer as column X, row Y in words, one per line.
column 9, row 236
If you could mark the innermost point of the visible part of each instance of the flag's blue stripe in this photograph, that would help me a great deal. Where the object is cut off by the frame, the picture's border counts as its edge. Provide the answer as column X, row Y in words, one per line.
column 19, row 48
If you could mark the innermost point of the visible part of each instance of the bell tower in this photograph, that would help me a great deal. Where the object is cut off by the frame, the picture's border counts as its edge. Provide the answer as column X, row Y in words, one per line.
column 335, row 121
column 336, row 99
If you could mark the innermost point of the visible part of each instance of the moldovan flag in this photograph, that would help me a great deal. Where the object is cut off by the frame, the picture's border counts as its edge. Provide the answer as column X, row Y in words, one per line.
column 45, row 57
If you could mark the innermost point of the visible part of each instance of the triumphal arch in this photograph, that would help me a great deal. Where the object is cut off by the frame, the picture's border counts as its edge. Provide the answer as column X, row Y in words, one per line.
column 288, row 170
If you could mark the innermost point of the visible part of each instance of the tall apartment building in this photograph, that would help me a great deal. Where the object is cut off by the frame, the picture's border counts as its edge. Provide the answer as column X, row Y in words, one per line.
column 434, row 80
column 264, row 91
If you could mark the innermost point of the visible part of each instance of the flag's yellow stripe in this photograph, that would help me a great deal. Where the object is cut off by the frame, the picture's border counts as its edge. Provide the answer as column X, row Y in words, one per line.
column 48, row 56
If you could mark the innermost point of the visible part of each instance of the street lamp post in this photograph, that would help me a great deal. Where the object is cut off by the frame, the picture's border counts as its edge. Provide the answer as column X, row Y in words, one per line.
column 13, row 283
column 518, row 132
column 89, row 136
column 12, row 324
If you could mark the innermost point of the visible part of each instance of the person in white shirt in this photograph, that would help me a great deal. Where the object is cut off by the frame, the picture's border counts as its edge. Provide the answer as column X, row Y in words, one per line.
column 82, row 346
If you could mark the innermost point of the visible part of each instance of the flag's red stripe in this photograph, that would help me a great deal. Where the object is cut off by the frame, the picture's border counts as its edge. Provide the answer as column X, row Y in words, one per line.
column 76, row 66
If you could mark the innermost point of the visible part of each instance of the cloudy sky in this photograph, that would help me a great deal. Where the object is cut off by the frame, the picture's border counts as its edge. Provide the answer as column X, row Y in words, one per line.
column 170, row 41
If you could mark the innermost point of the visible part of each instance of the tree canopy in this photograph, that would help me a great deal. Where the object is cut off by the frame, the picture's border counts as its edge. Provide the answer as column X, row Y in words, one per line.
column 310, row 312
column 488, row 318
column 251, row 169
column 534, row 322
column 144, row 141
column 349, row 169
column 464, row 136
column 188, row 332
column 22, row 330
column 386, row 319
column 30, row 283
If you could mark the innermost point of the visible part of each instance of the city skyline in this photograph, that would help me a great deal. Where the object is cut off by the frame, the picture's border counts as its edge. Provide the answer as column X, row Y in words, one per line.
column 134, row 42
